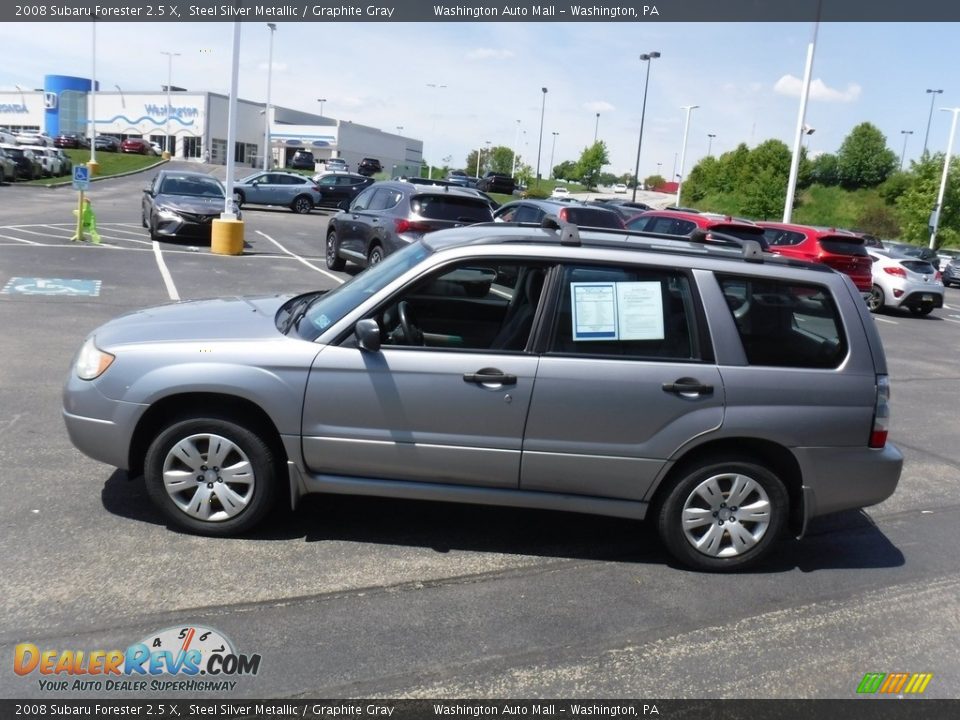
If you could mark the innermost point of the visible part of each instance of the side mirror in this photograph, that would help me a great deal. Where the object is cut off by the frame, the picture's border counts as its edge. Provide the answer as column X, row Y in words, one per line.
column 368, row 335
column 148, row 191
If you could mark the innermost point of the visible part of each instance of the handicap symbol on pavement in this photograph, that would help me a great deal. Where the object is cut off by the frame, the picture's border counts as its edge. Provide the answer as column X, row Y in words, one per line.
column 51, row 286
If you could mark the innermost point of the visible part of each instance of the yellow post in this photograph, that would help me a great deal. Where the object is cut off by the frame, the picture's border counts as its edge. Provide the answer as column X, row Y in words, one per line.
column 94, row 167
column 226, row 237
column 78, row 235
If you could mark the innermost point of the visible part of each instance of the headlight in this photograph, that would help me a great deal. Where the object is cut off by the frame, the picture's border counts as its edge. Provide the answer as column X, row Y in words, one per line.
column 168, row 214
column 92, row 362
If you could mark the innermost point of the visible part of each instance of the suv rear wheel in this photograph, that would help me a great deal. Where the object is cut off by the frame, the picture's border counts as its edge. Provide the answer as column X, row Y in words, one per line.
column 375, row 255
column 723, row 514
column 875, row 301
column 302, row 204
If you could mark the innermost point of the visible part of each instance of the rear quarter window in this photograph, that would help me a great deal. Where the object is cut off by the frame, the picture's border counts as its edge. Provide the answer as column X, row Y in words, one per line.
column 785, row 324
column 589, row 217
column 457, row 209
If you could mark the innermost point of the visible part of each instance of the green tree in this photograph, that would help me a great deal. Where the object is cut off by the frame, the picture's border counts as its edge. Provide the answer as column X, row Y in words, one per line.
column 914, row 205
column 764, row 194
column 654, row 181
column 592, row 159
column 864, row 160
column 567, row 170
column 825, row 170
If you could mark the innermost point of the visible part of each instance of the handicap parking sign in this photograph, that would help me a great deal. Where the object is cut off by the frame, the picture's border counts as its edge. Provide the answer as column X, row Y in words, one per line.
column 81, row 177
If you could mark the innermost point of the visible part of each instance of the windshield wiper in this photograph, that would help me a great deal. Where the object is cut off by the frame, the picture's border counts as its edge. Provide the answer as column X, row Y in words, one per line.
column 298, row 310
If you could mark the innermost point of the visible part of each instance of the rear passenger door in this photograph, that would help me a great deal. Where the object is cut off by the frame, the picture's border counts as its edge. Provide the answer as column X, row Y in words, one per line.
column 626, row 378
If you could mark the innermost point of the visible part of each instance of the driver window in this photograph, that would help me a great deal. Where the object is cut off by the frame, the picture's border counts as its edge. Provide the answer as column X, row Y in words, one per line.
column 488, row 306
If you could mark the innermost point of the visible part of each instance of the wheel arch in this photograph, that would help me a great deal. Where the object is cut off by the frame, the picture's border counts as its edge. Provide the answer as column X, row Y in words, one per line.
column 774, row 456
column 219, row 405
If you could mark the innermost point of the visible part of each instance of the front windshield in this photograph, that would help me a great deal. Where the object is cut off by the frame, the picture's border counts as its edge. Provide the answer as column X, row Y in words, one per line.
column 192, row 186
column 333, row 306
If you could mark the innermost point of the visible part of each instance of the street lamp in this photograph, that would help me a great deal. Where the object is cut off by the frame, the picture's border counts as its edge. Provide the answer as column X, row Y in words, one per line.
column 433, row 129
column 926, row 137
column 321, row 101
column 516, row 141
column 904, row 153
column 711, row 136
column 543, row 107
column 647, row 58
column 166, row 140
column 943, row 180
column 683, row 149
column 93, row 165
column 552, row 148
column 123, row 102
column 596, row 127
column 267, row 149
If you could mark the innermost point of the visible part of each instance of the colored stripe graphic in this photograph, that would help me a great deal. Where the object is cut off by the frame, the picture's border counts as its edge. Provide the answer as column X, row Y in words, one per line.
column 894, row 683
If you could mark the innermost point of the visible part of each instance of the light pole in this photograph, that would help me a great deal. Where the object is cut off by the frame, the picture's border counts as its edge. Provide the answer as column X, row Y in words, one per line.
column 926, row 137
column 321, row 101
column 552, row 148
column 683, row 149
column 596, row 127
column 516, row 141
column 267, row 149
column 543, row 107
column 166, row 140
column 648, row 59
column 711, row 136
column 903, row 154
column 123, row 102
column 93, row 165
column 433, row 129
column 943, row 180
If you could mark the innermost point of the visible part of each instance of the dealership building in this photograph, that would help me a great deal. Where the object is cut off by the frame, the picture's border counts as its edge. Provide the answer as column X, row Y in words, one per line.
column 195, row 122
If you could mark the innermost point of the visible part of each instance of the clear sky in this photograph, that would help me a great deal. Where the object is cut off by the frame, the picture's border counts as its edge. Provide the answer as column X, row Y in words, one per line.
column 745, row 77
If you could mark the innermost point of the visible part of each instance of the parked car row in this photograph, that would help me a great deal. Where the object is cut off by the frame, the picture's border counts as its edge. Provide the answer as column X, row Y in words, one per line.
column 32, row 162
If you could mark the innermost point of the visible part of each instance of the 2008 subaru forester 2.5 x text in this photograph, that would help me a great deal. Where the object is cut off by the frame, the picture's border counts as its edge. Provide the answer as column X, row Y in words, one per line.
column 726, row 394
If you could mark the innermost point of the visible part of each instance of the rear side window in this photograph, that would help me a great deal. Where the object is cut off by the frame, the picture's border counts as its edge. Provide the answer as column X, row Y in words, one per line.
column 384, row 198
column 843, row 245
column 625, row 312
column 448, row 207
column 589, row 217
column 785, row 324
column 775, row 236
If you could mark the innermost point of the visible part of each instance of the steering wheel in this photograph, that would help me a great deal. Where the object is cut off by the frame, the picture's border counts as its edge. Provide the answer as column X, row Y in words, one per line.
column 412, row 335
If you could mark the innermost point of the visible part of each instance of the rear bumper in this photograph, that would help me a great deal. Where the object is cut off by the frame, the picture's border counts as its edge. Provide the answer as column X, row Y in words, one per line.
column 837, row 479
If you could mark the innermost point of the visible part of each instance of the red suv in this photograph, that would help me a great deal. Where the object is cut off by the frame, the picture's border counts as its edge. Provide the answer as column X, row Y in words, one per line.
column 684, row 222
column 841, row 250
column 135, row 145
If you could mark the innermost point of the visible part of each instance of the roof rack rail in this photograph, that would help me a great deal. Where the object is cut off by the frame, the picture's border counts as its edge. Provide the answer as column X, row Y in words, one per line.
column 569, row 233
column 751, row 249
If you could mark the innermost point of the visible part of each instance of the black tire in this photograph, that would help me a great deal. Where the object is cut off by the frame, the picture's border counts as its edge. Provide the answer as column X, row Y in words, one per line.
column 334, row 261
column 143, row 218
column 921, row 310
column 153, row 233
column 238, row 198
column 876, row 300
column 248, row 450
column 744, row 541
column 375, row 255
column 301, row 205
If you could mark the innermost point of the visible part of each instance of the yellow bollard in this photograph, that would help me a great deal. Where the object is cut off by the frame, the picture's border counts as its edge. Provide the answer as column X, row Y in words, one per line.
column 94, row 168
column 226, row 237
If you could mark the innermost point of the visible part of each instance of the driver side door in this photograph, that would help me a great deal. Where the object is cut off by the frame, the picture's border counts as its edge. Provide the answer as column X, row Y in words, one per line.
column 442, row 404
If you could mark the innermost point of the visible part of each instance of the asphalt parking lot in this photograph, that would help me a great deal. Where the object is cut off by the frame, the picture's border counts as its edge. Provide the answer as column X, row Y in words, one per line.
column 356, row 597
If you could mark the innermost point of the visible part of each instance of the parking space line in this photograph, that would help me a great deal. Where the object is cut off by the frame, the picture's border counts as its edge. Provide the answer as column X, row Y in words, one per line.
column 891, row 322
column 300, row 259
column 16, row 239
column 165, row 273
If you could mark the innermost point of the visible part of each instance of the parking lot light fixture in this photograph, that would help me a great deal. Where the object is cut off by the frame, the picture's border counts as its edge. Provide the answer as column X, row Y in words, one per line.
column 321, row 101
column 801, row 117
column 710, row 137
column 943, row 179
column 903, row 154
column 933, row 95
column 683, row 150
column 552, row 148
column 433, row 128
column 93, row 165
column 166, row 140
column 516, row 141
column 596, row 128
column 543, row 107
column 648, row 58
column 267, row 150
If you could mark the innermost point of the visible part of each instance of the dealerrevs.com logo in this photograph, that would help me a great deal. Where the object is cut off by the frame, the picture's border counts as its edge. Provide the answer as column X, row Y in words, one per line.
column 193, row 658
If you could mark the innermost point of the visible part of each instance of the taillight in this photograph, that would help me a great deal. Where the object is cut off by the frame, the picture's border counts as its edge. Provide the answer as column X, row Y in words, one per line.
column 563, row 214
column 938, row 276
column 899, row 272
column 403, row 226
column 881, row 413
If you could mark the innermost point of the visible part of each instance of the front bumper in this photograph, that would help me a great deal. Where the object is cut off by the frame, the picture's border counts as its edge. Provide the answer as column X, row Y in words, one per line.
column 99, row 427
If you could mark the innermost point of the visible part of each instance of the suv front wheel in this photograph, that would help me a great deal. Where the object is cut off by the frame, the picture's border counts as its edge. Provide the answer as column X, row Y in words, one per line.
column 334, row 261
column 723, row 514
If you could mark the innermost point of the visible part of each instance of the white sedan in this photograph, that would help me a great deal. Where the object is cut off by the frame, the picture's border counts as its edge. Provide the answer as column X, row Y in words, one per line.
column 561, row 192
column 901, row 281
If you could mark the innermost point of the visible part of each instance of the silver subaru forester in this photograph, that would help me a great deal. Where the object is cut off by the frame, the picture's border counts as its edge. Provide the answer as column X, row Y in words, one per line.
column 726, row 394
